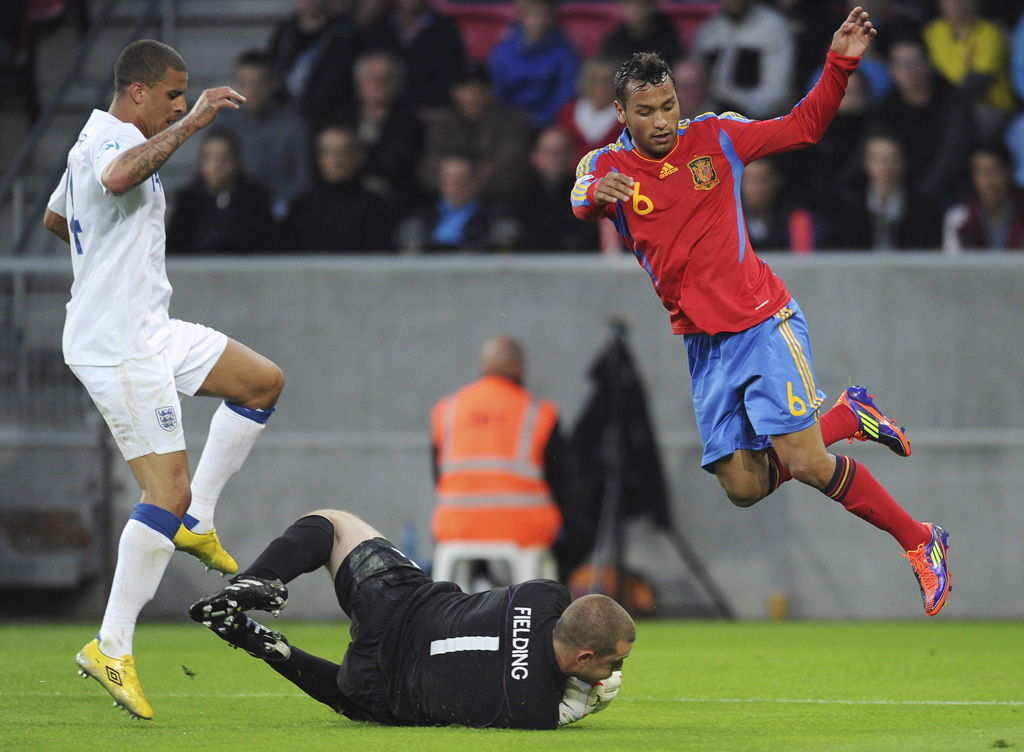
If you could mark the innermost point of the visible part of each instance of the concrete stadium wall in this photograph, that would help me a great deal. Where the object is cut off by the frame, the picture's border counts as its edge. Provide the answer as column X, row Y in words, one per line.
column 368, row 346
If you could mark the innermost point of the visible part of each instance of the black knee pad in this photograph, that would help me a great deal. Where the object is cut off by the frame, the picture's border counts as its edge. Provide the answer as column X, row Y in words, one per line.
column 301, row 529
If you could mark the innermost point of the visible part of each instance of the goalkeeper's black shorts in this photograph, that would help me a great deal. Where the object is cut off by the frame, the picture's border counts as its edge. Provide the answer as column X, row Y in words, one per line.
column 373, row 581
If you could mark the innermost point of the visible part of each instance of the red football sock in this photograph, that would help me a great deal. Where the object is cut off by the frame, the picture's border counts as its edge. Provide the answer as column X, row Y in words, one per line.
column 858, row 491
column 777, row 474
column 837, row 424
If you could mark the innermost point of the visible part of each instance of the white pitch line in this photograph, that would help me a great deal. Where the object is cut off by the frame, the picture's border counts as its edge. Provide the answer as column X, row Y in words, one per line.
column 723, row 700
column 201, row 695
column 812, row 701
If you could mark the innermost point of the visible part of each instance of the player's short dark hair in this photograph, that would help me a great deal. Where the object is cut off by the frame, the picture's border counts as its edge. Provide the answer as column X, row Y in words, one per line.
column 644, row 68
column 596, row 622
column 145, row 61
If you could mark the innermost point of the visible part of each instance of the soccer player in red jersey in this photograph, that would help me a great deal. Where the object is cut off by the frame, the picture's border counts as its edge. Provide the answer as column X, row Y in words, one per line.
column 672, row 189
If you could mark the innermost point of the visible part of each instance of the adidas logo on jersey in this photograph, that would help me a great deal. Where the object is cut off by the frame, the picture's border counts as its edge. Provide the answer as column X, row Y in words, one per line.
column 666, row 170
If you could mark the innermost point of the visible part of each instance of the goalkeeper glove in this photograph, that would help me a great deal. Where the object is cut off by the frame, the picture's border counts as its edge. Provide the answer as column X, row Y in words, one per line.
column 606, row 691
column 581, row 699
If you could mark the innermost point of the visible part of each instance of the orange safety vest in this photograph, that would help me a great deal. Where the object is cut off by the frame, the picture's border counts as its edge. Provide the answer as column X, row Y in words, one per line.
column 490, row 437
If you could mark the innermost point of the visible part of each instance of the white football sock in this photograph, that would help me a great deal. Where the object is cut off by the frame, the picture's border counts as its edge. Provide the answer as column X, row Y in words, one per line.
column 142, row 557
column 228, row 444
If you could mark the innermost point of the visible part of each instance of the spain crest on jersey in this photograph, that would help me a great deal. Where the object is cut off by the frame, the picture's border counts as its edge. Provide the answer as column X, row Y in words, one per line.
column 704, row 176
column 166, row 418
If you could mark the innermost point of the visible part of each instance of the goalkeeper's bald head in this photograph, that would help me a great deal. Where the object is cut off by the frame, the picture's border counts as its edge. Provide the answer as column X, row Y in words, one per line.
column 595, row 622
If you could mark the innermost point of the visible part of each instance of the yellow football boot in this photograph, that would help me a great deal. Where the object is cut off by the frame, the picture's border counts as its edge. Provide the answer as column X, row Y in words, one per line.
column 207, row 548
column 117, row 676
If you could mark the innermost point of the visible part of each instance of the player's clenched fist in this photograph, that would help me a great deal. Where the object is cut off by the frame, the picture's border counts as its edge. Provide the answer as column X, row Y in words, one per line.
column 613, row 187
column 581, row 699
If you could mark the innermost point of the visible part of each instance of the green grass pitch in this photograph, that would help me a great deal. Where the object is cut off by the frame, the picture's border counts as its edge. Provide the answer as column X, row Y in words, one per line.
column 689, row 685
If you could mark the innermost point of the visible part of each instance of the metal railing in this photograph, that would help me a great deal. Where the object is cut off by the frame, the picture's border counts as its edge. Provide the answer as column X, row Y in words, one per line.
column 37, row 390
column 55, row 454
column 12, row 188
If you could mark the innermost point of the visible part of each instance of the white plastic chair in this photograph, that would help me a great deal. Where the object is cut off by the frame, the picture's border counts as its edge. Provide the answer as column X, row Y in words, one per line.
column 452, row 560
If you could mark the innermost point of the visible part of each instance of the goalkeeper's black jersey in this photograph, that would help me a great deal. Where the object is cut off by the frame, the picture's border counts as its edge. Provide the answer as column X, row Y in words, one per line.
column 483, row 660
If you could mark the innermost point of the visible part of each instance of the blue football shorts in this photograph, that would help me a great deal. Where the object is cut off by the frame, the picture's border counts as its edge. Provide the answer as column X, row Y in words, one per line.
column 753, row 384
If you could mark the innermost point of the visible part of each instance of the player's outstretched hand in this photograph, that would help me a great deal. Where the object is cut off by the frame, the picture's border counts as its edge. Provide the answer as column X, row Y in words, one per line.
column 855, row 35
column 613, row 187
column 211, row 101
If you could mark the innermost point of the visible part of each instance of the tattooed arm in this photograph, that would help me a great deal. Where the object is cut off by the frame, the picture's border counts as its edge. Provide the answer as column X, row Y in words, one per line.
column 140, row 162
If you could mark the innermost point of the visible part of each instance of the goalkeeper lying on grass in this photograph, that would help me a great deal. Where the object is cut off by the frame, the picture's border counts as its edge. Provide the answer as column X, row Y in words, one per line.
column 424, row 652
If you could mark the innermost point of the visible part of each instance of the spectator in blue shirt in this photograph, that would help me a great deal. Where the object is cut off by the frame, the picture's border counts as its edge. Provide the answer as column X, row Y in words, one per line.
column 458, row 219
column 533, row 67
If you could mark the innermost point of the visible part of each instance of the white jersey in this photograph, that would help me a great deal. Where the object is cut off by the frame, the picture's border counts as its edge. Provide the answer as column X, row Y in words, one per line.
column 120, row 296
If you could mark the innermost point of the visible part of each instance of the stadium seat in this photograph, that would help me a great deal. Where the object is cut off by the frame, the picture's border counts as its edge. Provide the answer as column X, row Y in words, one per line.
column 44, row 11
column 587, row 24
column 482, row 24
column 452, row 560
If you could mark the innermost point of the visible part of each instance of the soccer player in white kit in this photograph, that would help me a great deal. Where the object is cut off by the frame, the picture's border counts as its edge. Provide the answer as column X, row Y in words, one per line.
column 133, row 359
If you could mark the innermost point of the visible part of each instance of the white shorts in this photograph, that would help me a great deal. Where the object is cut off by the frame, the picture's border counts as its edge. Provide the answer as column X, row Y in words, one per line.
column 138, row 398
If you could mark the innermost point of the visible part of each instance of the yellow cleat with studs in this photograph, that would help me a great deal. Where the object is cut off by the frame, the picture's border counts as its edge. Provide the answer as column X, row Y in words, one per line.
column 117, row 676
column 207, row 548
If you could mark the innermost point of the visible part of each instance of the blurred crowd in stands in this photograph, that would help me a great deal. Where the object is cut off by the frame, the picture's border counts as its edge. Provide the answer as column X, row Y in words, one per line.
column 374, row 126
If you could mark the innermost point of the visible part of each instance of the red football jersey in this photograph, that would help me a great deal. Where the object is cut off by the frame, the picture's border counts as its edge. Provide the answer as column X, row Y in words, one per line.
column 685, row 223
